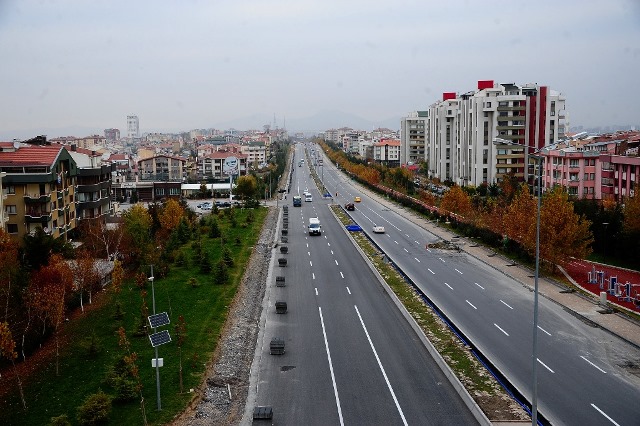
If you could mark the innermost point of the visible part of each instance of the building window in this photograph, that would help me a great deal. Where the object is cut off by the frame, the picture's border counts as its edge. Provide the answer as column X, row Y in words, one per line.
column 10, row 209
column 159, row 191
column 12, row 228
column 586, row 176
column 174, row 191
column 11, row 189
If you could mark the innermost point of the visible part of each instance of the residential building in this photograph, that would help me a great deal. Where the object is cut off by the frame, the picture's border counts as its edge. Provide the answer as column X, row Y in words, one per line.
column 38, row 189
column 133, row 127
column 93, row 191
column 413, row 142
column 162, row 168
column 112, row 135
column 387, row 152
column 3, row 216
column 462, row 129
column 211, row 166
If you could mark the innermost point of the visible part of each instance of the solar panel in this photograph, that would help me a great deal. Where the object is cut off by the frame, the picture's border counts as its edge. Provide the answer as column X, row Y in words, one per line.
column 158, row 320
column 160, row 338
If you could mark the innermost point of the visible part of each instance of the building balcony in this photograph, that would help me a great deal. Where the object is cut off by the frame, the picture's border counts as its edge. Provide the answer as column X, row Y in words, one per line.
column 37, row 199
column 511, row 127
column 88, row 187
column 92, row 204
column 511, row 108
column 34, row 217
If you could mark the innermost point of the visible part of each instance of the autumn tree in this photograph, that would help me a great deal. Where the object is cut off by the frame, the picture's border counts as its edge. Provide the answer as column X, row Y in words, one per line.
column 49, row 288
column 137, row 233
column 170, row 216
column 519, row 220
column 562, row 232
column 102, row 240
column 457, row 201
column 8, row 273
column 8, row 351
column 85, row 275
column 631, row 224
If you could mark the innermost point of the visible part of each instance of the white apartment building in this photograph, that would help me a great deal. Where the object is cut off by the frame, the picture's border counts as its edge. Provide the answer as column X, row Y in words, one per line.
column 387, row 152
column 133, row 127
column 461, row 129
column 413, row 138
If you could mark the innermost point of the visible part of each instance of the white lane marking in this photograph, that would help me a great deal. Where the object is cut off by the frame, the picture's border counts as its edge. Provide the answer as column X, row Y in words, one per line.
column 500, row 329
column 593, row 365
column 341, row 274
column 448, row 286
column 442, row 260
column 545, row 331
column 329, row 244
column 545, row 365
column 418, row 260
column 395, row 241
column 407, row 235
column 479, row 285
column 309, row 253
column 349, row 291
column 505, row 304
column 333, row 377
column 605, row 415
column 471, row 304
column 307, row 245
column 431, row 271
column 406, row 250
column 313, row 276
column 331, row 251
column 325, row 237
column 384, row 374
column 310, row 263
column 416, row 242
column 336, row 262
column 459, row 271
column 429, row 250
column 316, row 288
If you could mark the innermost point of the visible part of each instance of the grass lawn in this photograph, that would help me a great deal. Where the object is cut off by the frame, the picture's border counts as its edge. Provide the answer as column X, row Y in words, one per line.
column 204, row 309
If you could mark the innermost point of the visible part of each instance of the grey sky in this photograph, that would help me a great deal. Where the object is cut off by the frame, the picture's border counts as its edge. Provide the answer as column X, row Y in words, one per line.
column 180, row 65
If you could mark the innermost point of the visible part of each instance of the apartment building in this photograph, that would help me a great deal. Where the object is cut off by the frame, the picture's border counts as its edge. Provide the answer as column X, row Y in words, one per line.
column 460, row 131
column 38, row 189
column 93, row 191
column 608, row 169
column 162, row 168
column 3, row 216
column 211, row 166
column 256, row 152
column 133, row 127
column 413, row 138
column 387, row 152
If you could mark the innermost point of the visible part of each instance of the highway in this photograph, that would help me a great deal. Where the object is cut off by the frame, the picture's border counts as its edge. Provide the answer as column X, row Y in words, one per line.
column 350, row 357
column 581, row 374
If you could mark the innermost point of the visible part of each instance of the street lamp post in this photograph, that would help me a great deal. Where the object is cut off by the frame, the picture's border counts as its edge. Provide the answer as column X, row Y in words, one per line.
column 153, row 298
column 534, row 355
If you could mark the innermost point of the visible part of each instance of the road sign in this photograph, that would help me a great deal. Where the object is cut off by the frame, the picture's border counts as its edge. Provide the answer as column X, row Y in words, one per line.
column 230, row 166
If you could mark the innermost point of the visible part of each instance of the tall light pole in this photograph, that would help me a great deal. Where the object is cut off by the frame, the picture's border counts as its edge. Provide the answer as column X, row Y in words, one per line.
column 153, row 298
column 534, row 355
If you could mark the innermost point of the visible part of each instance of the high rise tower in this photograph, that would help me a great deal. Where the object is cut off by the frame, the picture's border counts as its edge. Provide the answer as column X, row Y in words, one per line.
column 133, row 127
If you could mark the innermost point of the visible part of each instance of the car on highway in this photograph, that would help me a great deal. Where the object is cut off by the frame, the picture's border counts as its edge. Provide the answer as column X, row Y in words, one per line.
column 349, row 206
column 378, row 229
column 357, row 199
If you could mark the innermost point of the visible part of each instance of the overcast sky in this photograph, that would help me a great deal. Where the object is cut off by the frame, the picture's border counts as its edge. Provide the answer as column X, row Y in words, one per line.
column 181, row 65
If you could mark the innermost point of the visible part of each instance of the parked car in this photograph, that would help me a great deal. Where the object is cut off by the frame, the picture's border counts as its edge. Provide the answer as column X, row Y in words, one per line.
column 349, row 206
column 378, row 229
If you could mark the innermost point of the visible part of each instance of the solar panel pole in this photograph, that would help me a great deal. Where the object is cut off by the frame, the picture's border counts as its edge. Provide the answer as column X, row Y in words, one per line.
column 153, row 297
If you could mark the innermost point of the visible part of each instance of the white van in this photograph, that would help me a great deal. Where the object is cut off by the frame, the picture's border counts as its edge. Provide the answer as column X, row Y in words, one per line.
column 314, row 226
column 308, row 197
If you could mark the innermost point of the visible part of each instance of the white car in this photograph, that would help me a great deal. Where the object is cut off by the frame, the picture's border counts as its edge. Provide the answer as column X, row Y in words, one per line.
column 378, row 229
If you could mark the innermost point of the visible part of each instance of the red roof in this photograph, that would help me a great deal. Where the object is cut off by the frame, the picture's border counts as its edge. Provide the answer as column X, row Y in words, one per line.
column 40, row 155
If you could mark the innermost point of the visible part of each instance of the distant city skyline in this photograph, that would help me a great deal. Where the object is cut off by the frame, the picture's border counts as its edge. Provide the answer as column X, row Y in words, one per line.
column 179, row 66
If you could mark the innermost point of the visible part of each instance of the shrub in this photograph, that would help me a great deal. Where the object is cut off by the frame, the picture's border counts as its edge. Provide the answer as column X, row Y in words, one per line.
column 95, row 409
column 62, row 420
column 221, row 275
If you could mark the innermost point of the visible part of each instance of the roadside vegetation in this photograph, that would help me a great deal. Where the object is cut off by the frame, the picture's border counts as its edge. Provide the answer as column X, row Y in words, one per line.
column 103, row 370
column 503, row 215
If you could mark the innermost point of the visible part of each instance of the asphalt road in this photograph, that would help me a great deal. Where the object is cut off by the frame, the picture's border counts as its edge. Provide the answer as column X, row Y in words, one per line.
column 581, row 374
column 351, row 357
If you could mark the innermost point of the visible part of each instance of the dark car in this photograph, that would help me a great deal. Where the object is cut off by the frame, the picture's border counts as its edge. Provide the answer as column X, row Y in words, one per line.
column 349, row 206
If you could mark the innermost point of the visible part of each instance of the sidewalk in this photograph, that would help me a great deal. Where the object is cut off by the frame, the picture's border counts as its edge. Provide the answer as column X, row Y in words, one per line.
column 583, row 306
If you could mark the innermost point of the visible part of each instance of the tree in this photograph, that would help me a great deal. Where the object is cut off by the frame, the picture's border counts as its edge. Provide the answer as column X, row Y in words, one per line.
column 246, row 186
column 49, row 289
column 137, row 233
column 631, row 224
column 562, row 232
column 8, row 351
column 519, row 220
column 95, row 409
column 39, row 246
column 104, row 242
column 130, row 359
column 86, row 277
column 170, row 216
column 181, row 337
column 8, row 272
column 457, row 201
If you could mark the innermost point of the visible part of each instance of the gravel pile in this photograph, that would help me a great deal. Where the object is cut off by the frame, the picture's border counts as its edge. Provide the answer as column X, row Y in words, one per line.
column 221, row 398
